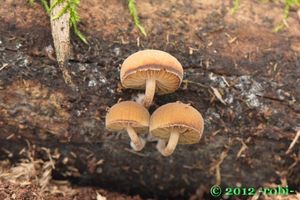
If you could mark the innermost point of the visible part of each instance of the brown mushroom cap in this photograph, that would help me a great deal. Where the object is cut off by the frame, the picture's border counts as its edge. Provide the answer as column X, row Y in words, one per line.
column 146, row 64
column 127, row 113
column 179, row 117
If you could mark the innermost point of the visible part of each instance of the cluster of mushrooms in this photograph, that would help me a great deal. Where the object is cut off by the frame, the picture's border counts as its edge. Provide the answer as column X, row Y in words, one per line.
column 173, row 123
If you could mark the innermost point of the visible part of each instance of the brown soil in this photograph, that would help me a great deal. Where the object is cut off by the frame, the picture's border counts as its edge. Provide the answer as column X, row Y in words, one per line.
column 10, row 191
column 256, row 71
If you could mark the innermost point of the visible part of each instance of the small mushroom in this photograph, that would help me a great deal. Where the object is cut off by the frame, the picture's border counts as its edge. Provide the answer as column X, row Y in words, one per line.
column 130, row 116
column 176, row 123
column 155, row 70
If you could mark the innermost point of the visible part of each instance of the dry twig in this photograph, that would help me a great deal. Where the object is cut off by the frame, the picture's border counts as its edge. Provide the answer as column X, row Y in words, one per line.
column 293, row 142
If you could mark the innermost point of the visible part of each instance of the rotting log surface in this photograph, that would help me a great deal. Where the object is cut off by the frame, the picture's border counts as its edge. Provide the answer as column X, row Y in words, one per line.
column 246, row 139
column 72, row 126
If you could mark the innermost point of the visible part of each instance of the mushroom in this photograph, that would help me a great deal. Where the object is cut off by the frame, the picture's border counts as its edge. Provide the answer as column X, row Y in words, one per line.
column 155, row 70
column 176, row 123
column 129, row 116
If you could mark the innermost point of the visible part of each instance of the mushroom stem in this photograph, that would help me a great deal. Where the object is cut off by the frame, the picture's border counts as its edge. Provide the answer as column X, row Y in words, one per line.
column 134, row 147
column 150, row 91
column 136, row 141
column 169, row 149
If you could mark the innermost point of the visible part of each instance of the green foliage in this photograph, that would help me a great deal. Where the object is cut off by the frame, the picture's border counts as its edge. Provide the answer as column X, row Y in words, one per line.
column 71, row 6
column 288, row 5
column 236, row 4
column 44, row 3
column 134, row 13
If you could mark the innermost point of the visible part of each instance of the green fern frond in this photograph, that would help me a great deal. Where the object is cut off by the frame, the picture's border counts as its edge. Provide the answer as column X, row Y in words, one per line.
column 71, row 7
column 134, row 13
column 56, row 2
column 45, row 4
column 63, row 11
